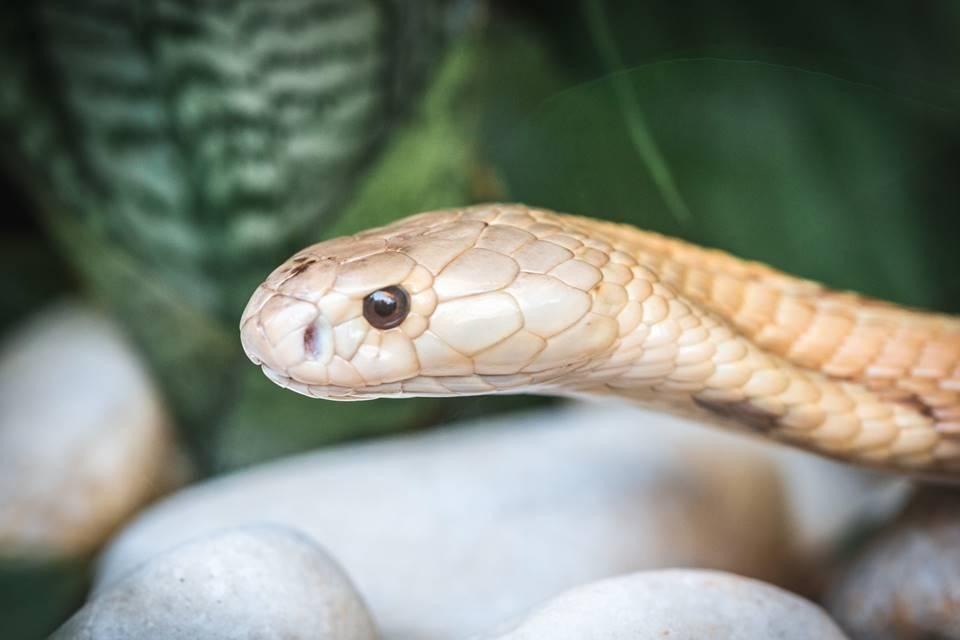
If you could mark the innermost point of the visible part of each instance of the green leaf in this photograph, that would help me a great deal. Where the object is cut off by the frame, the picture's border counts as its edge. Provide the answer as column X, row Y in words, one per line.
column 815, row 175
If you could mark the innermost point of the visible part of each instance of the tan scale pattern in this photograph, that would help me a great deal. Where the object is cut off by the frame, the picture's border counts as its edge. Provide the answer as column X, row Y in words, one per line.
column 508, row 299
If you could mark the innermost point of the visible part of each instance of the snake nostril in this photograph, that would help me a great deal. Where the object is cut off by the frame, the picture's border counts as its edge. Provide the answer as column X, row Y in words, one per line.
column 318, row 340
column 310, row 339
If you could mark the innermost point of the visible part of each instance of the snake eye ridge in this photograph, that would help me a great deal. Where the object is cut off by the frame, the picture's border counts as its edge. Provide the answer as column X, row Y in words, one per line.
column 386, row 308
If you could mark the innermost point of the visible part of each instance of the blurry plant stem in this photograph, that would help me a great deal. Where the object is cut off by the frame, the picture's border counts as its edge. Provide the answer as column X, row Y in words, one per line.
column 636, row 124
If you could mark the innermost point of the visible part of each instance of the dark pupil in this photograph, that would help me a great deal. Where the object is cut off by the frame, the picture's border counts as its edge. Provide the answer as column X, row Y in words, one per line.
column 386, row 308
column 384, row 304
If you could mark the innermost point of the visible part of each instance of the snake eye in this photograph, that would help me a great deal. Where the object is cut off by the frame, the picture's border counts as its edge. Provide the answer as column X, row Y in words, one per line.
column 386, row 308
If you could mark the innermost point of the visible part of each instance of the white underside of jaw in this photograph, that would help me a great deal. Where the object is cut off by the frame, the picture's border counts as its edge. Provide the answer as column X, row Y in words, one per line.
column 421, row 386
column 314, row 391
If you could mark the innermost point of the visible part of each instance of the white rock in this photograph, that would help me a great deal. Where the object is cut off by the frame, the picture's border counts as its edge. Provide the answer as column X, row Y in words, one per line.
column 84, row 440
column 904, row 582
column 256, row 583
column 679, row 605
column 826, row 499
column 449, row 533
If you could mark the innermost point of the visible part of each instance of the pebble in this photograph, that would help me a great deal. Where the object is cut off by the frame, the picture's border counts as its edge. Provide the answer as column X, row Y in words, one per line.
column 679, row 605
column 449, row 533
column 905, row 583
column 84, row 439
column 253, row 583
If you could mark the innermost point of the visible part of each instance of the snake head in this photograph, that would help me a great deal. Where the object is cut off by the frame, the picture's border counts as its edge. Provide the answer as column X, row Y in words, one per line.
column 493, row 298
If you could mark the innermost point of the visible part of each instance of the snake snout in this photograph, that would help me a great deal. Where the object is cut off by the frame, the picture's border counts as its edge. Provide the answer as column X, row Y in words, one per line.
column 284, row 334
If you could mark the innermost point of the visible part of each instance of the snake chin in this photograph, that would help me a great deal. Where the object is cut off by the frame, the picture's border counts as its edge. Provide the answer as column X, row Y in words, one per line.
column 328, row 392
column 418, row 386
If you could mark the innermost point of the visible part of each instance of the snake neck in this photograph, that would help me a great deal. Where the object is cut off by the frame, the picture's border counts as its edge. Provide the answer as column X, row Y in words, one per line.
column 716, row 338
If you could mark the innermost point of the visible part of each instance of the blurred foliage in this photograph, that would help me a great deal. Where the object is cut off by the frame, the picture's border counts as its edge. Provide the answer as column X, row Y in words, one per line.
column 36, row 597
column 180, row 150
column 33, row 272
column 800, row 170
column 820, row 138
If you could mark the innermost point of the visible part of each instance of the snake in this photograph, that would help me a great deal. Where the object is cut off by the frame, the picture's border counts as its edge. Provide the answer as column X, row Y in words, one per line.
column 506, row 299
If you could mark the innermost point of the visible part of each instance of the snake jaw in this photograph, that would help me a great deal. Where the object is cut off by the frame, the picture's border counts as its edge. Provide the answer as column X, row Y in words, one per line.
column 328, row 392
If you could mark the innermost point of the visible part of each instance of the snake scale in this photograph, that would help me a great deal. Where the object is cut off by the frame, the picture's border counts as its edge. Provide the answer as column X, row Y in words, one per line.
column 502, row 298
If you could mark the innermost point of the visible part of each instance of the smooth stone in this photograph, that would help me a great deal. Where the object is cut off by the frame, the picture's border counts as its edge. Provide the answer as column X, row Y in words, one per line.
column 828, row 499
column 905, row 583
column 679, row 605
column 84, row 438
column 450, row 532
column 256, row 583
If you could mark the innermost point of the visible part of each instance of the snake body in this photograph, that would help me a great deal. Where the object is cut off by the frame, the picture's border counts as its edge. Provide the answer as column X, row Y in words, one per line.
column 511, row 299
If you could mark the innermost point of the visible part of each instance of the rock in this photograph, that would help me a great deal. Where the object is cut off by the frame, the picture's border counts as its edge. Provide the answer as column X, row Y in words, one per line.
column 84, row 440
column 450, row 532
column 828, row 503
column 252, row 583
column 676, row 604
column 827, row 499
column 905, row 583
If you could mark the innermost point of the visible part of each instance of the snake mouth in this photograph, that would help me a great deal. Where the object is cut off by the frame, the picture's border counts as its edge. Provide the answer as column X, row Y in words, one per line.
column 339, row 393
column 327, row 392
